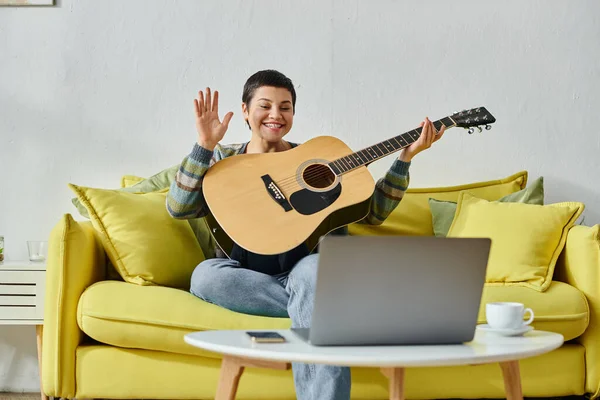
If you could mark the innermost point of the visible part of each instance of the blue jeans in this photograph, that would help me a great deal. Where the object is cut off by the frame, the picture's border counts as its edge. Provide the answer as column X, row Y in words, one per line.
column 226, row 283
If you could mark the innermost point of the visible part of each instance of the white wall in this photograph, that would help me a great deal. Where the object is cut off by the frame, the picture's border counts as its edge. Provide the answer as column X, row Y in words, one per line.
column 92, row 90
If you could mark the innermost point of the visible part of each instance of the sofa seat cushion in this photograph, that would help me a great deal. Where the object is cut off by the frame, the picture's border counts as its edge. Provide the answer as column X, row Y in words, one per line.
column 156, row 318
column 562, row 308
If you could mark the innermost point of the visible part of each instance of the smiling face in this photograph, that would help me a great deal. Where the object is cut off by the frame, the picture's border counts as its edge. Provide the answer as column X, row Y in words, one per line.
column 270, row 113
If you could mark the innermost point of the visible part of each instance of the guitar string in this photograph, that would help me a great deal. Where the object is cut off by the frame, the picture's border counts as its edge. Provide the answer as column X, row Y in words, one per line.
column 320, row 173
column 311, row 175
column 294, row 177
column 284, row 186
column 291, row 181
column 328, row 171
column 290, row 186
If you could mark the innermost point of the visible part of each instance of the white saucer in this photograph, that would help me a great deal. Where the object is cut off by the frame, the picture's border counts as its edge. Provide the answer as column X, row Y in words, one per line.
column 505, row 332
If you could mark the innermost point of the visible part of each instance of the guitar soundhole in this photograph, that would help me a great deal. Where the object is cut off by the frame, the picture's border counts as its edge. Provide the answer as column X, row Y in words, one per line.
column 318, row 176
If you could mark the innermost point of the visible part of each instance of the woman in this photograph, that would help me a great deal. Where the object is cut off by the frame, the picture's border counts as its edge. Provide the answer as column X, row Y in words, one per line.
column 280, row 285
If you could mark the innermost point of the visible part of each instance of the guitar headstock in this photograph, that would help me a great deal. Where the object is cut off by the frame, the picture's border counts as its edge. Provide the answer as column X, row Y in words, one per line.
column 473, row 118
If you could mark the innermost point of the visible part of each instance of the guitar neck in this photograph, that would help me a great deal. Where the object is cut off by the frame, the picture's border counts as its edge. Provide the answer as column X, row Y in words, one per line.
column 382, row 149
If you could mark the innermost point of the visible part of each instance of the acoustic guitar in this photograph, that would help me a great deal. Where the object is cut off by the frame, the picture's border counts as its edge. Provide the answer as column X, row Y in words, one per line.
column 271, row 203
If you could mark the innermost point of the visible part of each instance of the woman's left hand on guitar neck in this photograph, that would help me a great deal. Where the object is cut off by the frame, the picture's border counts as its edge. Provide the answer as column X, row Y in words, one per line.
column 429, row 135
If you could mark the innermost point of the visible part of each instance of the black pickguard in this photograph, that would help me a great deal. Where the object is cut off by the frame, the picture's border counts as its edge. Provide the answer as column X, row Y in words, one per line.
column 307, row 202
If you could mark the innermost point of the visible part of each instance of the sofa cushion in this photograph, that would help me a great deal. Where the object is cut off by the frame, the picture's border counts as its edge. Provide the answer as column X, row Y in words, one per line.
column 413, row 215
column 443, row 211
column 144, row 243
column 562, row 308
column 526, row 238
column 157, row 318
column 160, row 183
column 136, row 184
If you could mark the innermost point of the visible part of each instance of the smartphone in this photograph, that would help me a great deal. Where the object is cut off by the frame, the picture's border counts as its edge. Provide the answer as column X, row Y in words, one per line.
column 266, row 337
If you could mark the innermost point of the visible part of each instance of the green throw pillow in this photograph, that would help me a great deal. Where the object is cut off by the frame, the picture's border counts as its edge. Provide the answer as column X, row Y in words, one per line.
column 160, row 181
column 442, row 212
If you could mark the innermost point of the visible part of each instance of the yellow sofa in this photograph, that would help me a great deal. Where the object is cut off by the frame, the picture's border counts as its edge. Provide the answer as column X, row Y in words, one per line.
column 105, row 338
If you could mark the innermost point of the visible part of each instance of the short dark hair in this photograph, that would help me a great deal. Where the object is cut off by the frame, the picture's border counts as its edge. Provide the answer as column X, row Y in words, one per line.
column 268, row 77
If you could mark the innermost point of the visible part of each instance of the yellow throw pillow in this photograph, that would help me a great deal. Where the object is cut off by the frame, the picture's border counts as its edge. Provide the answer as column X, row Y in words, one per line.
column 144, row 243
column 526, row 238
column 413, row 214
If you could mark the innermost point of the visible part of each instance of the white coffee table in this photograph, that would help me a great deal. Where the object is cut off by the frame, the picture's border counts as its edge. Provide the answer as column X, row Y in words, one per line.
column 239, row 351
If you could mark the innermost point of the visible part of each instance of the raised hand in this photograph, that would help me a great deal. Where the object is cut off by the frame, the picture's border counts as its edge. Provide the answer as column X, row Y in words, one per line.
column 210, row 129
column 429, row 135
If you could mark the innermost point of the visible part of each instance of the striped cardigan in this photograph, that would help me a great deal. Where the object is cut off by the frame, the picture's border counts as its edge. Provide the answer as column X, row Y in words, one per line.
column 185, row 198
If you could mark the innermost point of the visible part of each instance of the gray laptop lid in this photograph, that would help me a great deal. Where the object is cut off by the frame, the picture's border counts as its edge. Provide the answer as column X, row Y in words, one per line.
column 398, row 290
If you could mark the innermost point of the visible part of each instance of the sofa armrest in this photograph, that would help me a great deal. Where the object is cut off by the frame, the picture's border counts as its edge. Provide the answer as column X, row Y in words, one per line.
column 579, row 266
column 76, row 259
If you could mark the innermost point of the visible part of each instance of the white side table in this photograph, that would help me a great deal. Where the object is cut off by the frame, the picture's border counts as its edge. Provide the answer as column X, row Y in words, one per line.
column 22, row 290
column 239, row 352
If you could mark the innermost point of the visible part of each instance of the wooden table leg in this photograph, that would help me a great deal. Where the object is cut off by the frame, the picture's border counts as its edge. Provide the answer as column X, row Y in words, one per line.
column 231, row 371
column 512, row 380
column 39, row 333
column 396, row 378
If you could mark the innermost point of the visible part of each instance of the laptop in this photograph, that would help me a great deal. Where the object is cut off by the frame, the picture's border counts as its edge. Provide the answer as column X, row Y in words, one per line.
column 397, row 290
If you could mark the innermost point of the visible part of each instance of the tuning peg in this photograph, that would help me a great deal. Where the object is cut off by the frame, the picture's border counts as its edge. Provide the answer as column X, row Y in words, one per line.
column 479, row 129
column 471, row 130
column 488, row 127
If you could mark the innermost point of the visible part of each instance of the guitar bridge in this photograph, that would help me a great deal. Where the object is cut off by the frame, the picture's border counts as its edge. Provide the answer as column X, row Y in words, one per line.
column 276, row 193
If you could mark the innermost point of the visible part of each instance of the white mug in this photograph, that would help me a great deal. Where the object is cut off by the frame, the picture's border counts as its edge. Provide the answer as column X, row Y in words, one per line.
column 507, row 315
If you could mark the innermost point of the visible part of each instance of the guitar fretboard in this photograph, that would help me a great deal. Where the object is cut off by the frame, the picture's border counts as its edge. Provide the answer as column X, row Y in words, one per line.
column 380, row 150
